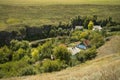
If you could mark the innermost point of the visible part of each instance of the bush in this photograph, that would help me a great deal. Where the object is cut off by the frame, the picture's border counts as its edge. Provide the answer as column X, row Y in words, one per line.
column 35, row 54
column 45, row 50
column 75, row 36
column 29, row 70
column 84, row 35
column 81, row 57
column 49, row 65
column 5, row 54
column 13, row 68
column 15, row 45
column 19, row 54
column 90, row 25
column 62, row 53
column 86, row 55
column 74, row 61
column 90, row 53
column 96, row 39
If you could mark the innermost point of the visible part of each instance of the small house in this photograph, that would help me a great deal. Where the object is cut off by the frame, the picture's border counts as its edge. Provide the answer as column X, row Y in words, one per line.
column 73, row 50
column 97, row 27
column 79, row 27
column 84, row 45
column 81, row 46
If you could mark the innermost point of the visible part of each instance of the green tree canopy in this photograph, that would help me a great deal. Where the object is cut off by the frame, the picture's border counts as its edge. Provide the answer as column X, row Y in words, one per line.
column 62, row 53
column 90, row 25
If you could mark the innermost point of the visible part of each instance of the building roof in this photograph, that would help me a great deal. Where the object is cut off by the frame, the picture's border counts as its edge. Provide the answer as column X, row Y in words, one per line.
column 97, row 27
column 86, row 43
column 78, row 27
column 81, row 46
column 73, row 50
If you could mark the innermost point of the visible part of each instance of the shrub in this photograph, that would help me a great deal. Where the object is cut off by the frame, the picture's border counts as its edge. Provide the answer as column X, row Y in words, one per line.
column 13, row 68
column 90, row 25
column 49, row 65
column 86, row 55
column 90, row 53
column 45, row 50
column 62, row 53
column 96, row 39
column 19, row 54
column 81, row 57
column 35, row 54
column 5, row 54
column 15, row 45
column 29, row 70
column 74, row 61
column 84, row 35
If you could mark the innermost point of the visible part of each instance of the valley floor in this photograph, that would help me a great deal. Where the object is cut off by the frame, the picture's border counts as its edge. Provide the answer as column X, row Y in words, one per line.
column 104, row 67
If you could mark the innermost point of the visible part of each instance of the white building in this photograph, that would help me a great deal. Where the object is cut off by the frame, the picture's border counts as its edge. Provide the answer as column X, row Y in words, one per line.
column 78, row 27
column 97, row 27
column 74, row 50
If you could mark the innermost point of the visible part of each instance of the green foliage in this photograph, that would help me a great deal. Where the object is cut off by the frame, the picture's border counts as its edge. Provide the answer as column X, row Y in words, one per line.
column 35, row 54
column 52, row 33
column 62, row 53
column 76, row 21
column 90, row 25
column 45, row 50
column 96, row 39
column 87, row 54
column 86, row 22
column 20, row 49
column 114, row 28
column 81, row 57
column 29, row 70
column 90, row 53
column 15, row 45
column 75, row 36
column 49, row 65
column 74, row 61
column 19, row 54
column 84, row 35
column 13, row 68
column 5, row 54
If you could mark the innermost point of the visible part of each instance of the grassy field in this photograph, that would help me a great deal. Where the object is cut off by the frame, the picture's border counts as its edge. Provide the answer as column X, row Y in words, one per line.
column 51, row 2
column 53, row 14
column 37, row 12
column 105, row 67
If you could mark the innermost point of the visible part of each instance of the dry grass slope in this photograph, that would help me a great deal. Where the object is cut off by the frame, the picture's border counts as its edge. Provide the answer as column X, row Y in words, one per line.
column 106, row 67
column 111, row 47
